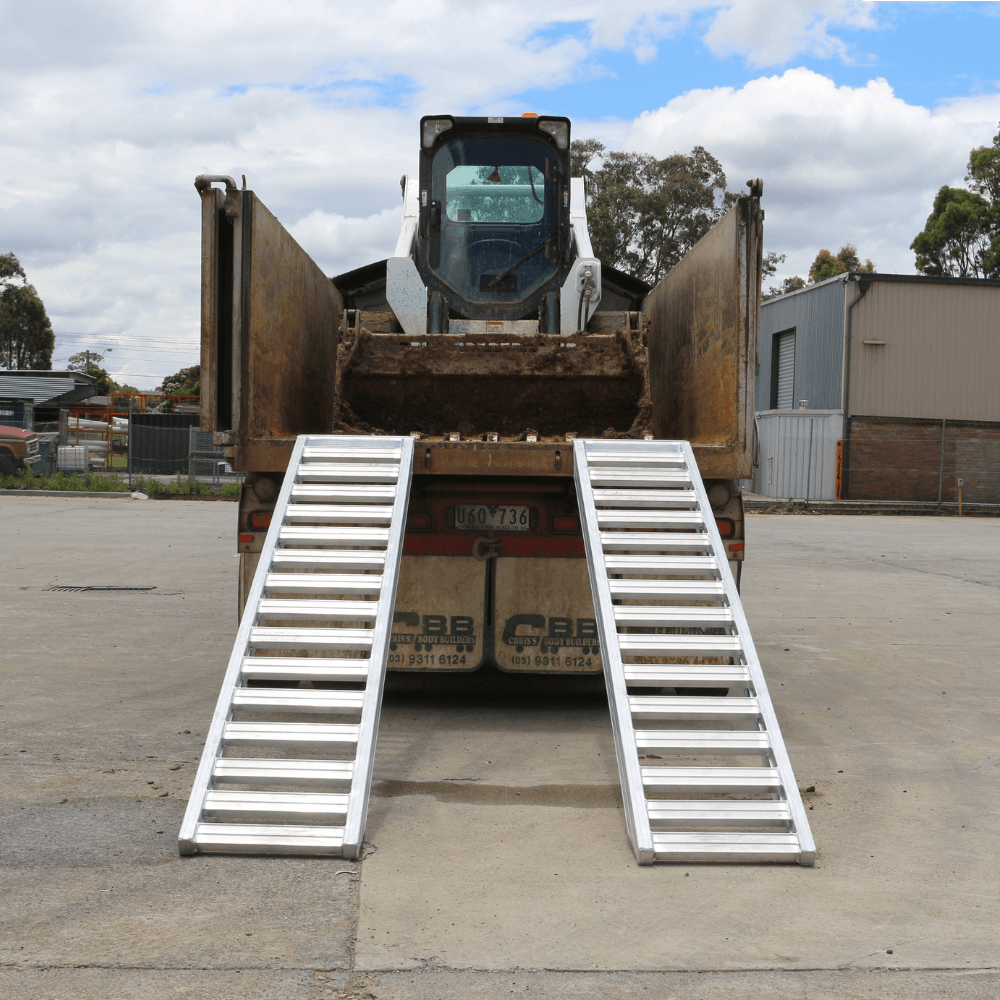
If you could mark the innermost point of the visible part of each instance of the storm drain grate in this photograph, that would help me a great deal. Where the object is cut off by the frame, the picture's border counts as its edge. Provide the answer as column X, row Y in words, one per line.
column 102, row 590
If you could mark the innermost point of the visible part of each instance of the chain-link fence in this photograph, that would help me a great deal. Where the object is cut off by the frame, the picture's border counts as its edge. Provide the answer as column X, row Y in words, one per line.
column 206, row 461
column 163, row 445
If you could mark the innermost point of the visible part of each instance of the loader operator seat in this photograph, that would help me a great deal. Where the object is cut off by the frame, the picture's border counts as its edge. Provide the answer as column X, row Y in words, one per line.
column 490, row 243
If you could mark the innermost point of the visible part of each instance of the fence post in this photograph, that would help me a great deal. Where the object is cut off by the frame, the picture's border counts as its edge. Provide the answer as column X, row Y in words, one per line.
column 129, row 442
column 941, row 466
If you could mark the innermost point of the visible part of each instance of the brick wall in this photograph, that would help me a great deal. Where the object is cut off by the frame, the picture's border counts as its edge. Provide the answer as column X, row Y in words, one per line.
column 896, row 459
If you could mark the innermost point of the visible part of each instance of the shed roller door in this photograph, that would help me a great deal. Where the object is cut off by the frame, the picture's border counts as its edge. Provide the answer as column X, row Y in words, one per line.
column 785, row 343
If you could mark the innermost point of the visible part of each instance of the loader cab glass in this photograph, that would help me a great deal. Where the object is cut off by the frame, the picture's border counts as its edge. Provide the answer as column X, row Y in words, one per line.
column 491, row 220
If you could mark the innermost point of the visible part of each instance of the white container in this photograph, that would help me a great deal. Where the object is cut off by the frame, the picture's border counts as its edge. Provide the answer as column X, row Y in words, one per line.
column 797, row 453
column 73, row 458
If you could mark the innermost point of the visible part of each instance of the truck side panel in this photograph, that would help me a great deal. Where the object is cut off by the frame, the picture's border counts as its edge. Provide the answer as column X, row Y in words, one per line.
column 269, row 345
column 703, row 344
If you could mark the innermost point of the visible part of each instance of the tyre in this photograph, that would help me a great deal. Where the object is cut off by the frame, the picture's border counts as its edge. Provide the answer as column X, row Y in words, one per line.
column 8, row 466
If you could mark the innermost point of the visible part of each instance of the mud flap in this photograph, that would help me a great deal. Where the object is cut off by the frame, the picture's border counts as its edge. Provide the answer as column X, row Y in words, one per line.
column 544, row 617
column 440, row 617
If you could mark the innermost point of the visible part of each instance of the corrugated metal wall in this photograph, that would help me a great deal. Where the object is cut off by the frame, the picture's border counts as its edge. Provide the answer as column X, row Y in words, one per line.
column 941, row 357
column 37, row 387
column 817, row 316
column 797, row 454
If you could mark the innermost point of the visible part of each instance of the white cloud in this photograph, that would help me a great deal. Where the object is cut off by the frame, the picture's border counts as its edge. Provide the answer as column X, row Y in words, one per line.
column 840, row 164
column 772, row 32
column 339, row 243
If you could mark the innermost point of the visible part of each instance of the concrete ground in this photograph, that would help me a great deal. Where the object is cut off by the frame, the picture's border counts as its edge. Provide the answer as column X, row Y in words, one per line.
column 498, row 863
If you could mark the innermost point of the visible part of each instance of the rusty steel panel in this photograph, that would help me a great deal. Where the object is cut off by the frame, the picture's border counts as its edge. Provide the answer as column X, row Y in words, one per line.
column 212, row 201
column 289, row 327
column 270, row 323
column 501, row 458
column 703, row 344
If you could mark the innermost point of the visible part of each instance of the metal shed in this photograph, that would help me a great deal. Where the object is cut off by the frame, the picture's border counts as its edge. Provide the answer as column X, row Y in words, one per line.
column 911, row 361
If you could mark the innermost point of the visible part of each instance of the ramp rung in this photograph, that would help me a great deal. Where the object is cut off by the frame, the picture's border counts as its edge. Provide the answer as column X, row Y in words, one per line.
column 241, row 838
column 343, row 492
column 680, row 645
column 731, row 847
column 655, row 541
column 322, row 583
column 323, row 453
column 653, row 616
column 304, row 668
column 711, row 779
column 645, row 498
column 673, row 590
column 332, row 472
column 676, row 565
column 306, row 610
column 624, row 478
column 339, row 513
column 270, row 805
column 268, row 637
column 650, row 520
column 678, row 707
column 297, row 700
column 685, row 674
column 340, row 537
column 646, row 459
column 315, row 559
column 675, row 812
column 700, row 741
column 276, row 734
column 258, row 771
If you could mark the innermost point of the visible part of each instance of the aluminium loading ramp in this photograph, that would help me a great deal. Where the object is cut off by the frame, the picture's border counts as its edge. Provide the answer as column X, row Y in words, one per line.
column 320, row 609
column 670, row 619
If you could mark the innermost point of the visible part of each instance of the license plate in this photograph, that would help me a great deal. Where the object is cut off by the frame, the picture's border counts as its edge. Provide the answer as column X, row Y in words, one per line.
column 491, row 517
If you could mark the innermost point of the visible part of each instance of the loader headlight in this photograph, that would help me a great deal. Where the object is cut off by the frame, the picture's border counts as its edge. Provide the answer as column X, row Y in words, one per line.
column 431, row 128
column 558, row 128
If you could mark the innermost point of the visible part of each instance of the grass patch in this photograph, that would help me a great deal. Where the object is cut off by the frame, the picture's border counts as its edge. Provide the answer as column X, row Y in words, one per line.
column 26, row 479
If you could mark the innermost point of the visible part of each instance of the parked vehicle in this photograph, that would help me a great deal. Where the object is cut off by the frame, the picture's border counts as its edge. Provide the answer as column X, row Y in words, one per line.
column 18, row 449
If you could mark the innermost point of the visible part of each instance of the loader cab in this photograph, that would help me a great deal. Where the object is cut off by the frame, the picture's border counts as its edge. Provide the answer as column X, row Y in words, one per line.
column 493, row 241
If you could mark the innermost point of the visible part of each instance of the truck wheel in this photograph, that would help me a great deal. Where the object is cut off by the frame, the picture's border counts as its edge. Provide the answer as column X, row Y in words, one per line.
column 7, row 464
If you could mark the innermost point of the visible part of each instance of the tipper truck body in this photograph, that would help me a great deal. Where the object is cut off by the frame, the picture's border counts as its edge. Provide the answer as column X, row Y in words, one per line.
column 494, row 338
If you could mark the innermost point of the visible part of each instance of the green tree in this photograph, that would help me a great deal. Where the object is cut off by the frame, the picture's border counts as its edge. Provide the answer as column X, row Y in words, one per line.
column 827, row 265
column 956, row 240
column 961, row 238
column 26, row 337
column 186, row 382
column 90, row 363
column 644, row 214
column 792, row 284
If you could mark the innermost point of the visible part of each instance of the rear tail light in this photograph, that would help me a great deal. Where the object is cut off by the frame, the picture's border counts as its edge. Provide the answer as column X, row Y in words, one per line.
column 726, row 526
column 244, row 538
column 260, row 520
column 566, row 523
column 420, row 521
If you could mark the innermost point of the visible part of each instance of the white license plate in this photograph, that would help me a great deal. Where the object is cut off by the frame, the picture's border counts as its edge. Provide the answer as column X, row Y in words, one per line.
column 491, row 517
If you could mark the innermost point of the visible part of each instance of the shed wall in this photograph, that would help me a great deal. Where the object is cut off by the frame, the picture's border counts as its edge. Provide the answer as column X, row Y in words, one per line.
column 941, row 357
column 817, row 316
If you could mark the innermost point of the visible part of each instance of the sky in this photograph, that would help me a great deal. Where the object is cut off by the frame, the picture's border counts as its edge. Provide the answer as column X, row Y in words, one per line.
column 854, row 113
